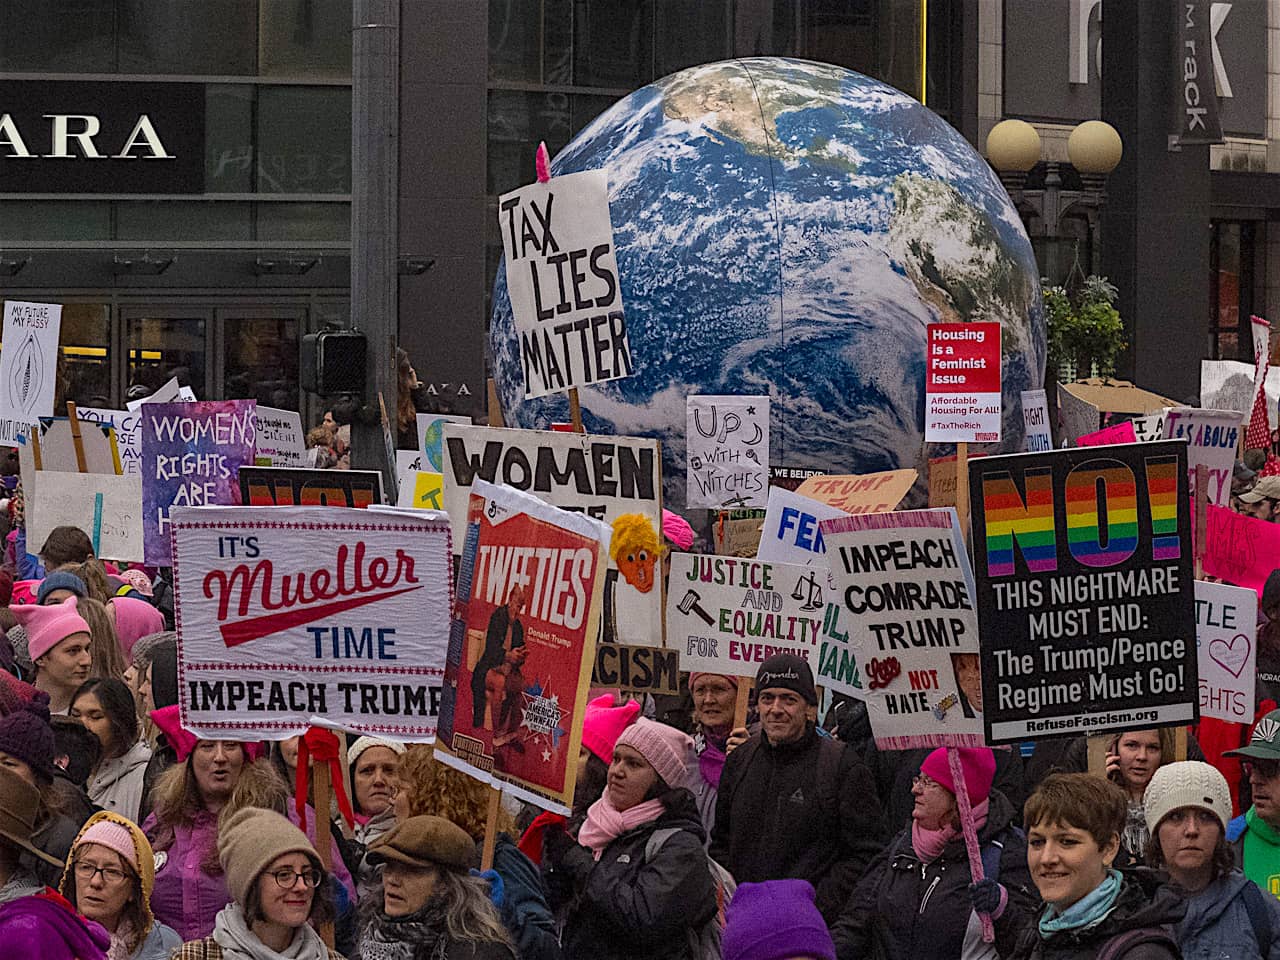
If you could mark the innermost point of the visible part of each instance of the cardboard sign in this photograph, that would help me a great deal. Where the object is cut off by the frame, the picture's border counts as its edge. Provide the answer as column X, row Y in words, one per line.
column 106, row 507
column 128, row 428
column 727, row 615
column 737, row 537
column 1116, row 433
column 1212, row 437
column 279, row 438
column 1239, row 549
column 790, row 533
column 1230, row 385
column 1227, row 652
column 293, row 616
column 1035, row 421
column 962, row 383
column 58, row 449
column 1085, row 594
column 861, row 493
column 942, row 480
column 562, row 277
column 191, row 454
column 28, row 365
column 727, row 452
column 522, row 644
column 293, row 487
column 606, row 477
column 637, row 669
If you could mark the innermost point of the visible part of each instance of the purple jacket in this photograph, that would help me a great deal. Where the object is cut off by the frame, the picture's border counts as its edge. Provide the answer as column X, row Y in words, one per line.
column 45, row 926
column 187, row 898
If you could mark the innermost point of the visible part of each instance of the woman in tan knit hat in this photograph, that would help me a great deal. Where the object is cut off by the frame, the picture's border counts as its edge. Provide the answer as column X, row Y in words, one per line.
column 277, row 885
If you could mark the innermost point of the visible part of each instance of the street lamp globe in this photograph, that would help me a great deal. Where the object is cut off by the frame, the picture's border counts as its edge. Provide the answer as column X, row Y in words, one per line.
column 1013, row 146
column 1094, row 147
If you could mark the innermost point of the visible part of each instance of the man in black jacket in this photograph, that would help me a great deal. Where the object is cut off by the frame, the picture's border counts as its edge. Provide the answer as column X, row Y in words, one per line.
column 793, row 803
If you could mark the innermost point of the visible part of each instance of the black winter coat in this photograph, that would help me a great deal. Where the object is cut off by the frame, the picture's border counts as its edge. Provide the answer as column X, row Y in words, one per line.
column 904, row 908
column 775, row 821
column 1143, row 902
column 895, row 770
column 626, row 907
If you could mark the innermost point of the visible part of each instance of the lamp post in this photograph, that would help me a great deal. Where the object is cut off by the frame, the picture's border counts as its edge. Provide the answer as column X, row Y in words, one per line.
column 1094, row 150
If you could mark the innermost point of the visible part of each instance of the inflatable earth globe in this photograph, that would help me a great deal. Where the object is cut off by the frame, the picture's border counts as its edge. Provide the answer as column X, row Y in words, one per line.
column 789, row 228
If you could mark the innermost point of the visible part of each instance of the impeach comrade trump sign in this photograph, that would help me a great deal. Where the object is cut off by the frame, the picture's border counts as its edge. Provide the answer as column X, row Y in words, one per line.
column 293, row 616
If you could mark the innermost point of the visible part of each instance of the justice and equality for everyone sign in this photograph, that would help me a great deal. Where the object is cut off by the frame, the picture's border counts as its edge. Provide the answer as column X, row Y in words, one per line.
column 28, row 365
column 562, row 278
column 522, row 644
column 293, row 616
column 904, row 587
column 1084, row 590
column 727, row 451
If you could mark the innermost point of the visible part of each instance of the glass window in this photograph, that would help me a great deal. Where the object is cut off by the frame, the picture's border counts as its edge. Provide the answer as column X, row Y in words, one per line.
column 304, row 38
column 304, row 140
column 261, row 360
column 1232, row 251
column 515, row 41
column 228, row 124
column 162, row 345
column 304, row 221
column 85, row 339
column 32, row 40
column 182, row 220
column 613, row 43
column 200, row 37
column 55, row 220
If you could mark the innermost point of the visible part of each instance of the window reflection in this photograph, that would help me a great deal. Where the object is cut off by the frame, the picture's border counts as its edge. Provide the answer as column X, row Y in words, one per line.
column 162, row 347
column 85, row 343
column 261, row 360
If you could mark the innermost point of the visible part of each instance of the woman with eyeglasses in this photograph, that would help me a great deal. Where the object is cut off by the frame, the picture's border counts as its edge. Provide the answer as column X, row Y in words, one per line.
column 918, row 898
column 109, row 877
column 277, row 886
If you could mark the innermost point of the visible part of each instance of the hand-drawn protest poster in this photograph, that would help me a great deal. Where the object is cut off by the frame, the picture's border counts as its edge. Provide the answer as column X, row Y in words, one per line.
column 279, row 438
column 962, row 383
column 903, row 581
column 737, row 537
column 290, row 486
column 422, row 491
column 1035, row 421
column 1121, row 432
column 728, row 615
column 621, row 666
column 28, row 365
column 128, row 428
column 942, row 479
column 293, row 616
column 1226, row 633
column 431, row 440
column 727, row 452
column 1085, row 593
column 562, row 277
column 522, row 644
column 191, row 455
column 614, row 479
column 1149, row 428
column 861, row 493
column 1239, row 549
column 106, row 507
column 170, row 392
column 837, row 666
column 790, row 533
column 1212, row 437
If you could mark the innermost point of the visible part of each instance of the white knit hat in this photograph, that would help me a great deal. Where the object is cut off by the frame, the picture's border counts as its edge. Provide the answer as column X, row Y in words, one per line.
column 1188, row 783
column 364, row 743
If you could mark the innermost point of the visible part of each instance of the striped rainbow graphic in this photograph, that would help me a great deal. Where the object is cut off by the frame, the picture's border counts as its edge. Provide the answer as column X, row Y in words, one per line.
column 1085, row 502
column 1162, row 494
column 1010, row 519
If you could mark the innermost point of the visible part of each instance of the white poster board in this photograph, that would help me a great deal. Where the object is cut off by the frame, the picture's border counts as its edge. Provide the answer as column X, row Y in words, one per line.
column 1227, row 650
column 106, row 507
column 1035, row 421
column 790, row 533
column 128, row 427
column 1212, row 437
column 28, row 365
column 169, row 392
column 279, row 440
column 727, row 451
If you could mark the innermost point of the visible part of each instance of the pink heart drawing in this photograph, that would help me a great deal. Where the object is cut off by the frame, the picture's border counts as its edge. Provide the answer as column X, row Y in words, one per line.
column 1231, row 656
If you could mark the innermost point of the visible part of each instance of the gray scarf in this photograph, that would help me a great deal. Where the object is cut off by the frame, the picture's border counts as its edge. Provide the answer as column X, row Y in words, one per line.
column 20, row 884
column 232, row 934
column 420, row 935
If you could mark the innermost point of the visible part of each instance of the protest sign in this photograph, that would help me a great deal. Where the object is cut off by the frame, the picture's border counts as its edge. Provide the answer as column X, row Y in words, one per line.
column 790, row 478
column 106, row 507
column 1084, row 590
column 407, row 460
column 727, row 452
column 562, row 277
column 728, row 615
column 169, row 392
column 1116, row 433
column 903, row 581
column 128, row 428
column 28, row 365
column 638, row 669
column 1230, row 385
column 421, row 490
column 861, row 493
column 962, row 383
column 1212, row 436
column 279, row 438
column 1082, row 404
column 942, row 480
column 790, row 533
column 191, row 454
column 53, row 441
column 737, row 537
column 1226, row 631
column 837, row 666
column 1239, row 549
column 300, row 487
column 293, row 616
column 431, row 440
column 522, row 644
column 1148, row 428
column 606, row 477
column 1035, row 421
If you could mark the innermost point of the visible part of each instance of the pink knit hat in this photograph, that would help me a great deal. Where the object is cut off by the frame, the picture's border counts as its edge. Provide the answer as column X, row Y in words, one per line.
column 113, row 836
column 603, row 722
column 49, row 626
column 977, row 764
column 667, row 749
column 134, row 619
column 676, row 529
column 137, row 579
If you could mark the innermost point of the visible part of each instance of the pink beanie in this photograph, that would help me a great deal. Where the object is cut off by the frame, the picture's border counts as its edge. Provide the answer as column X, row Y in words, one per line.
column 667, row 749
column 134, row 619
column 113, row 836
column 977, row 764
column 137, row 579
column 603, row 722
column 676, row 529
column 169, row 721
column 693, row 678
column 49, row 626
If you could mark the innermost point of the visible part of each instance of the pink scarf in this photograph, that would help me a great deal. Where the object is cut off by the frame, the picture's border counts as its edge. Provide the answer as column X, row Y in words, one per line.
column 605, row 822
column 929, row 844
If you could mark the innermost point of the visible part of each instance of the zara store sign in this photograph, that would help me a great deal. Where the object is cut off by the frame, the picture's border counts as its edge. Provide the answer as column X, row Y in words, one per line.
column 114, row 137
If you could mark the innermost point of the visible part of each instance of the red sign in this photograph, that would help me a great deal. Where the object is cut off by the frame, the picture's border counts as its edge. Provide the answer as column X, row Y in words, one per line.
column 962, row 383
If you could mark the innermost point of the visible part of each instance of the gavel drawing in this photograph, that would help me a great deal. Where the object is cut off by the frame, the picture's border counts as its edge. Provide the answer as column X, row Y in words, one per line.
column 690, row 605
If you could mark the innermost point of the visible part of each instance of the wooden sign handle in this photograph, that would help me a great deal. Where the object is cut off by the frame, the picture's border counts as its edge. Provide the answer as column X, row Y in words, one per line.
column 495, row 406
column 1202, row 516
column 490, row 829
column 575, row 411
column 962, row 488
column 77, row 440
column 744, row 699
column 322, row 789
